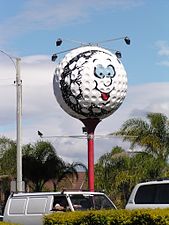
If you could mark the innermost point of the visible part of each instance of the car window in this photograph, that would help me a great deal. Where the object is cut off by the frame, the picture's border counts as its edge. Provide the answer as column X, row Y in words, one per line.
column 145, row 194
column 91, row 201
column 36, row 205
column 153, row 194
column 162, row 194
column 60, row 203
column 102, row 202
column 17, row 206
column 81, row 202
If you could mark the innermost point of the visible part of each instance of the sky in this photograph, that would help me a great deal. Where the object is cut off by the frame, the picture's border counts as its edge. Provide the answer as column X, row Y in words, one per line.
column 29, row 29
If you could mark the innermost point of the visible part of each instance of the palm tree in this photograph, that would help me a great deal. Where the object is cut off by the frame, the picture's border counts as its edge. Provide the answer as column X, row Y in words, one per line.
column 68, row 171
column 117, row 173
column 41, row 164
column 151, row 134
column 113, row 175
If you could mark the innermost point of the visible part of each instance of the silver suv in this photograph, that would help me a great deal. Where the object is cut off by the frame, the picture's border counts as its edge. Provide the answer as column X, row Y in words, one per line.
column 29, row 208
column 152, row 194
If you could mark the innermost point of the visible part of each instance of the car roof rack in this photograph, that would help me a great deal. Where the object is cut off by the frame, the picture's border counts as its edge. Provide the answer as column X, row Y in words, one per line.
column 71, row 190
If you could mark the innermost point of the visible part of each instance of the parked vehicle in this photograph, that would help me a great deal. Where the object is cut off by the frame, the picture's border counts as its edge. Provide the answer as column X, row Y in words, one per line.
column 152, row 194
column 29, row 208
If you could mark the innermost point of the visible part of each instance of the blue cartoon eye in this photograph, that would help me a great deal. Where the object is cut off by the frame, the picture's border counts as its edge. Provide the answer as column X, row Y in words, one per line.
column 99, row 71
column 110, row 71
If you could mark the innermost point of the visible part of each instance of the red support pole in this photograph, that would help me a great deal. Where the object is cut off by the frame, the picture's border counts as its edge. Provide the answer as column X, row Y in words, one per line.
column 90, row 140
column 90, row 125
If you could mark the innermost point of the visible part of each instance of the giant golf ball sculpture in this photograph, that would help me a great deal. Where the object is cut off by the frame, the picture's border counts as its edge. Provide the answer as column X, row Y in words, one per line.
column 90, row 83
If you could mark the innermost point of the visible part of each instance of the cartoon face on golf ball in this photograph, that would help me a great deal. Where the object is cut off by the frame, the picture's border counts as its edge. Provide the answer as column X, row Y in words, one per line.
column 90, row 82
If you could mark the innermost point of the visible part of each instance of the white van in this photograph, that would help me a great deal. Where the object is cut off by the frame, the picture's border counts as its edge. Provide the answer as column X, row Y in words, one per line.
column 152, row 194
column 29, row 208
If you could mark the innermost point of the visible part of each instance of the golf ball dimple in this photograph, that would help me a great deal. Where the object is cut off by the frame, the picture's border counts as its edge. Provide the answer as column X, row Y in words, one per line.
column 90, row 82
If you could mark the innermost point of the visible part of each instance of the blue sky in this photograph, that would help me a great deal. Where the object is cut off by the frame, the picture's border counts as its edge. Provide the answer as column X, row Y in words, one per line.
column 29, row 29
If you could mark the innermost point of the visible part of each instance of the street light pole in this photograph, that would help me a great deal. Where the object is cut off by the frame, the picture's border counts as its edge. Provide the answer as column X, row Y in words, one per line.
column 18, row 125
column 18, row 82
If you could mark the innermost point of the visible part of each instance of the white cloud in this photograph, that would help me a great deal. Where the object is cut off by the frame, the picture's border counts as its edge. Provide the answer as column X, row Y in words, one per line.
column 163, row 47
column 164, row 63
column 42, row 112
column 163, row 51
column 49, row 15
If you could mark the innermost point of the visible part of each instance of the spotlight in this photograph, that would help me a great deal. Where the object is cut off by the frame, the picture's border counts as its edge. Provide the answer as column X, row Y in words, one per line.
column 118, row 54
column 127, row 40
column 54, row 57
column 58, row 42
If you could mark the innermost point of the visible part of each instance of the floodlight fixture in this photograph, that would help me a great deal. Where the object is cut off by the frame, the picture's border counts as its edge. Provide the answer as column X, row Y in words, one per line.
column 127, row 40
column 118, row 54
column 54, row 57
column 59, row 42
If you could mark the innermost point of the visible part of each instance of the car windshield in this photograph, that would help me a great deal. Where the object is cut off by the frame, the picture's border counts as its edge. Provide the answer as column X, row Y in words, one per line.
column 90, row 201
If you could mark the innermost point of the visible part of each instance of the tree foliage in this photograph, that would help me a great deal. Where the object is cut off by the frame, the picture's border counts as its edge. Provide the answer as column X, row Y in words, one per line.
column 7, row 157
column 41, row 164
column 117, row 172
column 152, row 134
column 110, row 171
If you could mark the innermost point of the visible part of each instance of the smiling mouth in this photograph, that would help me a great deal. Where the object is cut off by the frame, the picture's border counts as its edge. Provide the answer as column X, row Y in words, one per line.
column 105, row 96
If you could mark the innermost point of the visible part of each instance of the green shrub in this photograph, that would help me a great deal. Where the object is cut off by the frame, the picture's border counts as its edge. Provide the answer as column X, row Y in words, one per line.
column 110, row 217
